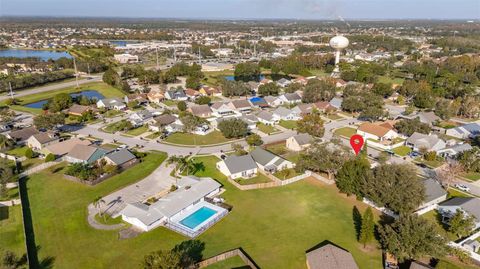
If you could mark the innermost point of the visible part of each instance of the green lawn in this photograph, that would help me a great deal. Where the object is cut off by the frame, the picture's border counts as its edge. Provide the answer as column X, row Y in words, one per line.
column 107, row 219
column 435, row 218
column 230, row 263
column 11, row 229
column 281, row 149
column 472, row 176
column 286, row 174
column 334, row 117
column 18, row 151
column 214, row 137
column 213, row 78
column 456, row 193
column 260, row 178
column 319, row 72
column 345, row 131
column 267, row 129
column 289, row 124
column 402, row 150
column 170, row 103
column 138, row 131
column 112, row 113
column 387, row 79
column 153, row 135
column 113, row 127
column 274, row 226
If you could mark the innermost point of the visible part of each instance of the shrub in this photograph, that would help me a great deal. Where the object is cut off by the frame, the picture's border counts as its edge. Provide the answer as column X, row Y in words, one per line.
column 50, row 158
column 430, row 156
column 29, row 153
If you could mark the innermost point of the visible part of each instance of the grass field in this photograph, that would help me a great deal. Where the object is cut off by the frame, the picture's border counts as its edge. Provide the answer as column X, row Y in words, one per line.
column 260, row 178
column 214, row 137
column 267, row 129
column 213, row 78
column 304, row 214
column 345, row 131
column 334, row 117
column 18, row 151
column 11, row 229
column 402, row 150
column 138, row 131
column 472, row 176
column 289, row 124
column 230, row 263
column 387, row 79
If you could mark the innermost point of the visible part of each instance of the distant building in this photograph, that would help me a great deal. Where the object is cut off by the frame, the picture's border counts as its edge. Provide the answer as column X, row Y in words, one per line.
column 126, row 58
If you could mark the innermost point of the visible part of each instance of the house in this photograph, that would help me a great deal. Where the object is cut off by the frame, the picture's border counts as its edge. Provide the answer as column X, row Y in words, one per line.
column 340, row 83
column 466, row 131
column 141, row 98
column 41, row 140
column 238, row 166
column 259, row 102
column 283, row 82
column 157, row 123
column 20, row 136
column 126, row 58
column 336, row 102
column 434, row 193
column 270, row 162
column 241, row 106
column 471, row 245
column 64, row 147
column 283, row 113
column 78, row 110
column 172, row 209
column 419, row 141
column 210, row 91
column 85, row 154
column 203, row 111
column 176, row 94
column 419, row 265
column 468, row 205
column 267, row 118
column 453, row 151
column 139, row 118
column 273, row 101
column 253, row 86
column 303, row 109
column 250, row 120
column 324, row 106
column 265, row 81
column 425, row 117
column 379, row 132
column 299, row 142
column 111, row 103
column 155, row 96
column 300, row 80
column 290, row 98
column 122, row 158
column 191, row 94
column 221, row 109
column 330, row 256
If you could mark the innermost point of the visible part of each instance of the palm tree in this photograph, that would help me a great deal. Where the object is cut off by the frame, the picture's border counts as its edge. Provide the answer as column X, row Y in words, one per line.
column 98, row 202
column 5, row 142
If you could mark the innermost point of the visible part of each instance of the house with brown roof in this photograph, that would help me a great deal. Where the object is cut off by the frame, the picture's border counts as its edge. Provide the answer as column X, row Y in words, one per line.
column 85, row 154
column 304, row 109
column 210, row 91
column 140, row 98
column 156, row 96
column 64, row 147
column 203, row 111
column 330, row 257
column 324, row 106
column 377, row 131
column 157, row 123
column 241, row 106
column 20, row 136
column 299, row 142
column 191, row 93
column 41, row 140
column 78, row 110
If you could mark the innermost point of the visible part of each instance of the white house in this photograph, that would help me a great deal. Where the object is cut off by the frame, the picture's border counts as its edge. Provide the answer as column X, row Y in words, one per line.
column 273, row 101
column 299, row 142
column 221, row 109
column 241, row 106
column 41, row 140
column 283, row 113
column 139, row 118
column 379, row 132
column 172, row 209
column 267, row 118
column 434, row 194
column 454, row 150
column 270, row 162
column 126, row 58
column 431, row 142
column 290, row 98
column 465, row 131
column 111, row 103
column 238, row 166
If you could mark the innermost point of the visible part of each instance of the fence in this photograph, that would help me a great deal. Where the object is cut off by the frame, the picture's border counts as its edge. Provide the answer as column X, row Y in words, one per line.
column 226, row 255
column 100, row 179
column 192, row 234
column 384, row 210
column 11, row 157
column 39, row 167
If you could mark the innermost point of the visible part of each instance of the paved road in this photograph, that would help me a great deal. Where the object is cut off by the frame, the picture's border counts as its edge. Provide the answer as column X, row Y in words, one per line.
column 52, row 87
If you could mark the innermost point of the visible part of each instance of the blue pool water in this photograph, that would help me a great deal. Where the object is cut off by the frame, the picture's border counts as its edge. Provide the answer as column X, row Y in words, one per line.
column 255, row 99
column 91, row 94
column 42, row 54
column 198, row 217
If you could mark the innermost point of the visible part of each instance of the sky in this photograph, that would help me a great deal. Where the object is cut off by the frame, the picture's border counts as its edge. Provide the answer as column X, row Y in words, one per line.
column 247, row 9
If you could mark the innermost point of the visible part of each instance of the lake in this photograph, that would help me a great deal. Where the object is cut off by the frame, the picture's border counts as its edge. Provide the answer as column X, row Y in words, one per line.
column 91, row 94
column 42, row 54
column 232, row 78
column 121, row 43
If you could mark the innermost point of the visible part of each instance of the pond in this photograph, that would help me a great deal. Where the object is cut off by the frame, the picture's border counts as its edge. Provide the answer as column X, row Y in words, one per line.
column 122, row 43
column 273, row 77
column 91, row 94
column 232, row 78
column 44, row 55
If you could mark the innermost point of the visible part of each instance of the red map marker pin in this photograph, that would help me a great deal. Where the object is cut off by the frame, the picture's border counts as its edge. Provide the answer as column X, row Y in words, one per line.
column 356, row 141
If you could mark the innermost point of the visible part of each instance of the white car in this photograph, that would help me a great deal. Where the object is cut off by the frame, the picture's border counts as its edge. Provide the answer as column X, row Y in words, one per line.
column 462, row 187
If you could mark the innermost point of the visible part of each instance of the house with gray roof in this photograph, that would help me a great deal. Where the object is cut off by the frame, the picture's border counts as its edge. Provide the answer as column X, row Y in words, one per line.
column 111, row 103
column 453, row 151
column 273, row 101
column 424, row 117
column 241, row 106
column 176, row 94
column 330, row 256
column 174, row 208
column 238, row 166
column 336, row 102
column 465, row 131
column 85, row 154
column 139, row 118
column 290, row 98
column 299, row 142
column 431, row 142
column 41, row 140
column 269, row 162
column 468, row 205
column 122, row 158
column 20, row 136
column 434, row 194
column 267, row 118
column 283, row 113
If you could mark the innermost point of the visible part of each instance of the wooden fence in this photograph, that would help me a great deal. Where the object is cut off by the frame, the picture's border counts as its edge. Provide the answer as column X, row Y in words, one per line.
column 226, row 255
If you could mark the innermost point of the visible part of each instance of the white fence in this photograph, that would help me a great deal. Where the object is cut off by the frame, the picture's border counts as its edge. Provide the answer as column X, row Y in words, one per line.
column 384, row 210
column 384, row 147
column 11, row 157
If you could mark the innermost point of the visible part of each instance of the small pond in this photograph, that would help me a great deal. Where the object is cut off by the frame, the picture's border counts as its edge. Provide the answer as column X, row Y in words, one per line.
column 44, row 55
column 91, row 94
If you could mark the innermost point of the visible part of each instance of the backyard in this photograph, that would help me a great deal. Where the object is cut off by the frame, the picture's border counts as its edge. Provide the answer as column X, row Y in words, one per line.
column 260, row 178
column 288, row 124
column 304, row 214
column 11, row 229
column 402, row 150
column 137, row 131
column 214, row 137
column 267, row 129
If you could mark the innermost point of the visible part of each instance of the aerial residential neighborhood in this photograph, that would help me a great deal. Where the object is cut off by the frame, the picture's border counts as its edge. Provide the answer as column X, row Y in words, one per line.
column 244, row 134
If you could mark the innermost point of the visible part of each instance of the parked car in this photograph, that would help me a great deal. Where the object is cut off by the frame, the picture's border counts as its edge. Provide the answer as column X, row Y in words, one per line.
column 462, row 187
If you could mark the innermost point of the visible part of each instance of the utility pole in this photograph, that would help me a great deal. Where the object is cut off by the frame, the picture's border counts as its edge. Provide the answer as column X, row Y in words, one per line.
column 76, row 71
column 156, row 53
column 11, row 92
column 199, row 56
column 174, row 54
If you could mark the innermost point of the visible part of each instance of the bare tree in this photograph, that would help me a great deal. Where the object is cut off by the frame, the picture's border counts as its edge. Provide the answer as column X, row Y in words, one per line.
column 447, row 173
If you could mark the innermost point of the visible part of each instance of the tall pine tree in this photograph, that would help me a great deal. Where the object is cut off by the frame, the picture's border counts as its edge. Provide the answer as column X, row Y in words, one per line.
column 367, row 229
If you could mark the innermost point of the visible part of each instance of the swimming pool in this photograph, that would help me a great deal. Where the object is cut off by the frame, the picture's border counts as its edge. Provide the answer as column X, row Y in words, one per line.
column 198, row 217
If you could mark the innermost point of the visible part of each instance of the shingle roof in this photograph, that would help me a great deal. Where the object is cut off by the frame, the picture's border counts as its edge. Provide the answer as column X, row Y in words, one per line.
column 45, row 137
column 282, row 111
column 78, row 109
column 241, row 103
column 470, row 204
column 423, row 141
column 165, row 119
column 433, row 190
column 303, row 139
column 330, row 257
column 292, row 96
column 265, row 115
column 237, row 164
column 82, row 152
column 374, row 129
column 262, row 156
column 64, row 147
column 200, row 110
column 23, row 134
column 120, row 157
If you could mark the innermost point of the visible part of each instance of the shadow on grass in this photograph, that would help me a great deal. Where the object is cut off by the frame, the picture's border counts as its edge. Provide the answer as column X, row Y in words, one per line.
column 357, row 221
column 32, row 247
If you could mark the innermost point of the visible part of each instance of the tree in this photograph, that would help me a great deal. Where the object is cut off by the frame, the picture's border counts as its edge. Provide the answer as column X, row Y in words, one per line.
column 247, row 71
column 178, row 161
column 412, row 237
column 112, row 78
column 368, row 227
column 163, row 259
column 182, row 106
column 254, row 140
column 238, row 149
column 203, row 100
column 269, row 89
column 470, row 160
column 293, row 87
column 233, row 128
column 353, row 175
column 49, row 121
column 430, row 156
column 395, row 186
column 327, row 158
column 50, row 158
column 10, row 260
column 319, row 90
column 29, row 153
column 193, row 83
column 5, row 142
column 311, row 124
column 98, row 202
column 408, row 127
column 234, row 88
column 461, row 224
column 424, row 98
column 383, row 89
column 59, row 102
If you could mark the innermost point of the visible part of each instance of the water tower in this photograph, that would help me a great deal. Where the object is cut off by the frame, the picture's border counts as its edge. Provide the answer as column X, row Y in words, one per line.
column 338, row 43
